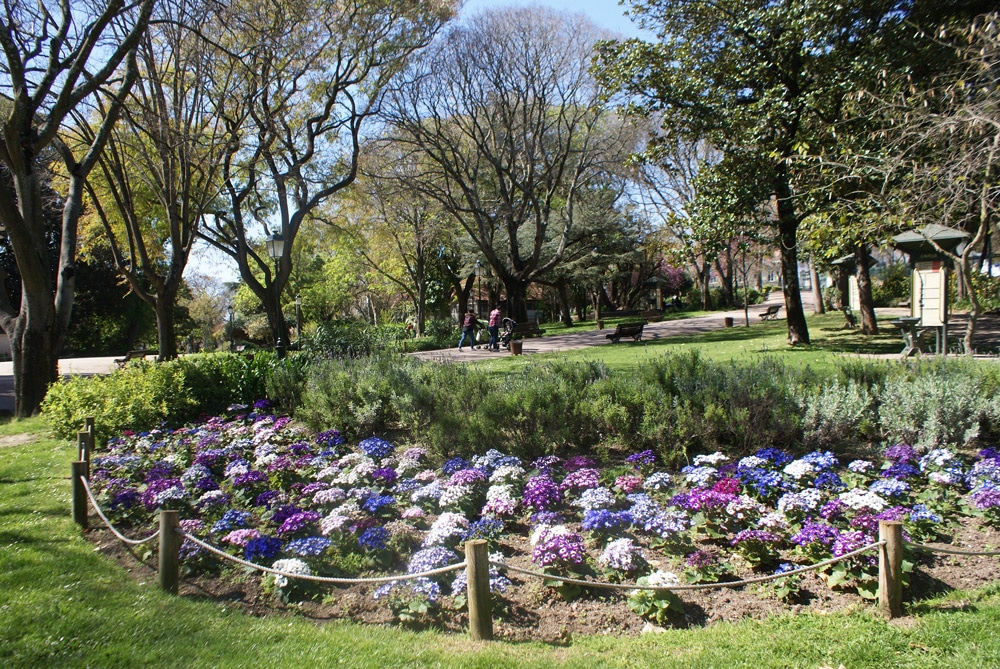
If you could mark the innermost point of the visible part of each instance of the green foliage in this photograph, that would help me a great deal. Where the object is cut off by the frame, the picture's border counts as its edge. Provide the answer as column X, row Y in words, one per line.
column 894, row 287
column 944, row 405
column 656, row 606
column 139, row 397
column 145, row 394
column 838, row 415
column 353, row 339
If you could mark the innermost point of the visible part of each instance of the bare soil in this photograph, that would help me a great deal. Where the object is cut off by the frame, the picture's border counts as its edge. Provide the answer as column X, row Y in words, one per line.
column 529, row 610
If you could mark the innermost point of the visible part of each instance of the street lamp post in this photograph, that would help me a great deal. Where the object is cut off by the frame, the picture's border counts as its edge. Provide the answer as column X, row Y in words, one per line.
column 275, row 248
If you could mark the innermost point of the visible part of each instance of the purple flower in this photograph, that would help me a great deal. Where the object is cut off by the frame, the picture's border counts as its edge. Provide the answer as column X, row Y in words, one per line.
column 559, row 547
column 467, row 477
column 126, row 499
column 832, row 509
column 248, row 479
column 901, row 453
column 849, row 541
column 454, row 464
column 546, row 518
column 265, row 498
column 775, row 455
column 581, row 479
column 297, row 522
column 579, row 462
column 641, row 458
column 603, row 520
column 755, row 536
column 701, row 559
column 985, row 497
column 900, row 470
column 378, row 503
column 816, row 533
column 541, row 493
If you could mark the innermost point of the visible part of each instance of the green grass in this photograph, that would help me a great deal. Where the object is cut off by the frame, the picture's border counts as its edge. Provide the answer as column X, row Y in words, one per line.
column 63, row 604
column 830, row 342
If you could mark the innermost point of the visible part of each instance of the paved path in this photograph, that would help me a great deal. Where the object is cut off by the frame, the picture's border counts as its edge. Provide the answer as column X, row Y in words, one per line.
column 595, row 337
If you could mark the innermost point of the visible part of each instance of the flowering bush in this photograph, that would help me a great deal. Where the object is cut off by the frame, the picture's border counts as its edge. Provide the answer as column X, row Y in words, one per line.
column 260, row 488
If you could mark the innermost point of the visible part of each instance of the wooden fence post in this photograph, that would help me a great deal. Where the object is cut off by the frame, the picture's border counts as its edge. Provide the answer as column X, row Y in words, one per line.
column 890, row 568
column 83, row 448
column 477, row 572
column 170, row 551
column 79, row 495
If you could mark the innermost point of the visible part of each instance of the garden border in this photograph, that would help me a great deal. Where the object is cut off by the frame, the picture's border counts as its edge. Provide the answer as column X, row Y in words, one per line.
column 477, row 563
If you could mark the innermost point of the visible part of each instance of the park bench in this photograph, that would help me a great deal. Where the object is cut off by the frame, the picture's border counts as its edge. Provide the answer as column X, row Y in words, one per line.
column 652, row 315
column 771, row 313
column 850, row 322
column 136, row 354
column 523, row 330
column 633, row 330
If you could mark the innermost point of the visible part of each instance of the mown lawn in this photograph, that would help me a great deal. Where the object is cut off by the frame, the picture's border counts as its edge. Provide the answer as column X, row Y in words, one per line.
column 63, row 604
column 830, row 343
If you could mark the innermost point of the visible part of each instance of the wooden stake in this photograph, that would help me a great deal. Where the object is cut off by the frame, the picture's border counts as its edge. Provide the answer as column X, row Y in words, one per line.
column 83, row 447
column 890, row 569
column 477, row 572
column 79, row 495
column 170, row 551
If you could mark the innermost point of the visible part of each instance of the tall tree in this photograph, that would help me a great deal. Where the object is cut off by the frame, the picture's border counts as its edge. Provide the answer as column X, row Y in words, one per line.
column 508, row 120
column 752, row 77
column 159, row 176
column 311, row 74
column 56, row 59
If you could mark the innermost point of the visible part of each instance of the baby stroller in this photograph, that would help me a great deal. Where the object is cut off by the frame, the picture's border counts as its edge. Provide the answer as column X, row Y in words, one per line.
column 506, row 332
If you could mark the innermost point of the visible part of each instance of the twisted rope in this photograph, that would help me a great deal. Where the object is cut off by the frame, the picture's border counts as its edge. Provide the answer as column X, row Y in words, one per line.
column 319, row 579
column 696, row 586
column 951, row 551
column 97, row 508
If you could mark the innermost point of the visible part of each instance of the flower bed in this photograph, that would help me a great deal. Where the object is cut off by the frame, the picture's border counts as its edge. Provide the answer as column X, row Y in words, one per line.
column 263, row 489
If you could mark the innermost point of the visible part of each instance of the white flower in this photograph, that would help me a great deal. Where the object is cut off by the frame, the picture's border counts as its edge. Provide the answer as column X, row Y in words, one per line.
column 799, row 468
column 753, row 462
column 507, row 474
column 715, row 459
column 743, row 507
column 291, row 566
column 773, row 521
column 858, row 499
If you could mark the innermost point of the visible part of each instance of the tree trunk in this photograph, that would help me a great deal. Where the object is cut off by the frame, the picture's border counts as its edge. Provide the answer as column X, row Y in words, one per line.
column 517, row 299
column 869, row 325
column 788, row 225
column 35, row 360
column 567, row 315
column 817, row 290
column 166, row 339
column 704, row 276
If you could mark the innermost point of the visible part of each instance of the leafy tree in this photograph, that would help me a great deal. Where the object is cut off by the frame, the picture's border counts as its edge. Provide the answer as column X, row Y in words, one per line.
column 310, row 74
column 159, row 176
column 508, row 120
column 755, row 78
column 54, row 62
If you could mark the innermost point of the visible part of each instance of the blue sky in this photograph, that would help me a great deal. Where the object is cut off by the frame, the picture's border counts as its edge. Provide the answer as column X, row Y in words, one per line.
column 606, row 13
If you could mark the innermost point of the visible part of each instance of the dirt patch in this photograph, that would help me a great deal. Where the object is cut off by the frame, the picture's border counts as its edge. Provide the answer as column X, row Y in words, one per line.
column 530, row 610
column 17, row 440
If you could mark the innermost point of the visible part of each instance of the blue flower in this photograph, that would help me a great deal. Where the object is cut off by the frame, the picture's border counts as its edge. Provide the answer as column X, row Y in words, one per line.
column 374, row 538
column 309, row 546
column 264, row 548
column 376, row 448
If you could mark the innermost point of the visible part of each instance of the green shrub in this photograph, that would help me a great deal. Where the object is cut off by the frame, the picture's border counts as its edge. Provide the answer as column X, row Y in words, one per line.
column 838, row 415
column 943, row 407
column 892, row 286
column 139, row 397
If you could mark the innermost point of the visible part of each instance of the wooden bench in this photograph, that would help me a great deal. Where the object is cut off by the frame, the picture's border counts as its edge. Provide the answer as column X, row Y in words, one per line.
column 137, row 354
column 522, row 330
column 652, row 316
column 771, row 313
column 633, row 330
column 850, row 322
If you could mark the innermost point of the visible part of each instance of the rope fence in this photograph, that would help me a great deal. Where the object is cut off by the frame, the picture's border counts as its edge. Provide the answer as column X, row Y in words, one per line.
column 694, row 586
column 477, row 563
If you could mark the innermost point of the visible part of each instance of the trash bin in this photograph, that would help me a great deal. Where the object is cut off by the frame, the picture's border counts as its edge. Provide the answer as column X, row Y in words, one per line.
column 515, row 346
column 728, row 320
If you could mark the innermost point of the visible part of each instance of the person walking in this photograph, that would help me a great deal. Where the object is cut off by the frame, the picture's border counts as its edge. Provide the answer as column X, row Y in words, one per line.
column 493, row 327
column 469, row 325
